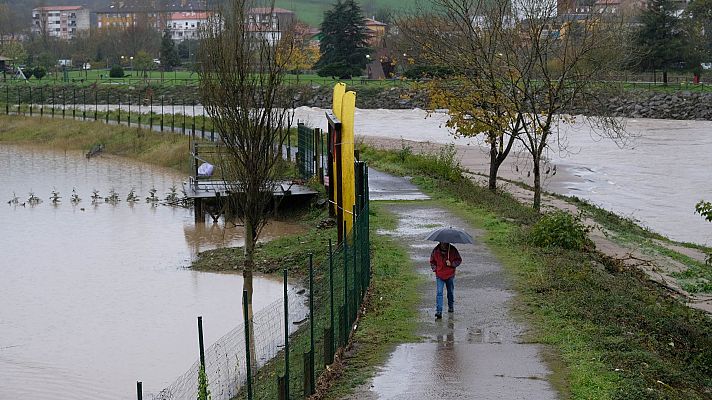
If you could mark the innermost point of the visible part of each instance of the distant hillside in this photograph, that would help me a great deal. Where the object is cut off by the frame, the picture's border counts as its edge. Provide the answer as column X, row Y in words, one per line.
column 312, row 11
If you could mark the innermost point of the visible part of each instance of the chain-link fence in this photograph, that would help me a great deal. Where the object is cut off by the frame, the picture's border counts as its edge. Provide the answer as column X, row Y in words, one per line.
column 282, row 357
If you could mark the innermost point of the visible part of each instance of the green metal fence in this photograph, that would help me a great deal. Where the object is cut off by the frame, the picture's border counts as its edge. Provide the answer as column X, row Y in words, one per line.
column 279, row 353
column 311, row 154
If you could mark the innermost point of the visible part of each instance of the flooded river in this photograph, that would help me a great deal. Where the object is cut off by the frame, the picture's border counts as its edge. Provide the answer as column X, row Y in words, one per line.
column 656, row 178
column 96, row 297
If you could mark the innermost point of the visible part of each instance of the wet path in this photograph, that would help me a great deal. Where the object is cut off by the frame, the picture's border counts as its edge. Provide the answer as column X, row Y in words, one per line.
column 478, row 352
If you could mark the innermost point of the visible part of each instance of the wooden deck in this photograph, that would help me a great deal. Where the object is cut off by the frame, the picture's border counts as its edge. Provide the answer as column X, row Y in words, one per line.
column 212, row 188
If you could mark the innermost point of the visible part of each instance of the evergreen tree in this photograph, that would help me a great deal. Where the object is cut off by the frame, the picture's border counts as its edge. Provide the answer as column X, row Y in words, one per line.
column 661, row 38
column 344, row 42
column 169, row 55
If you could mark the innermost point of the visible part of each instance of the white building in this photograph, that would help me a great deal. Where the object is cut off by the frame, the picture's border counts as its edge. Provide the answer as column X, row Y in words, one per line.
column 187, row 25
column 63, row 22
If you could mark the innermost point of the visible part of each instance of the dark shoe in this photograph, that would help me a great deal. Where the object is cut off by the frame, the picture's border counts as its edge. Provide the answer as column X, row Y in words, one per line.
column 438, row 316
column 451, row 310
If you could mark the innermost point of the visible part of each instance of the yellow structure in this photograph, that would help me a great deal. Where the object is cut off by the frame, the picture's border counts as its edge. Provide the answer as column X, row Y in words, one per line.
column 344, row 108
column 339, row 90
column 348, row 177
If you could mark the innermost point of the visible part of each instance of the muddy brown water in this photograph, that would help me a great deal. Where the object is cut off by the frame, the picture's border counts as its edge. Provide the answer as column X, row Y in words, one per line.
column 96, row 297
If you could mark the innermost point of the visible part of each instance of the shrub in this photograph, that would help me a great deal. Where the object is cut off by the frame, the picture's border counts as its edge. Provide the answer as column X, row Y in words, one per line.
column 116, row 72
column 39, row 73
column 560, row 229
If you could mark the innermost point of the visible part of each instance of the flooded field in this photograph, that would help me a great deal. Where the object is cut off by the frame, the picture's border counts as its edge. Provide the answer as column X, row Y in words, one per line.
column 95, row 297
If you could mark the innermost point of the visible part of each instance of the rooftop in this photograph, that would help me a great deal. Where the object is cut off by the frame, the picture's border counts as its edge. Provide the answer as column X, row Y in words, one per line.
column 58, row 8
column 269, row 10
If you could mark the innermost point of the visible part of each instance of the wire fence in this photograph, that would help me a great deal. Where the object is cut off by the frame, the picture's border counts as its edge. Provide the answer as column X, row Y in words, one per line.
column 280, row 357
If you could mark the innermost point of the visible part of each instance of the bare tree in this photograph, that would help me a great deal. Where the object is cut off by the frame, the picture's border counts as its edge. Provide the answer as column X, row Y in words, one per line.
column 463, row 40
column 562, row 65
column 515, row 69
column 241, row 83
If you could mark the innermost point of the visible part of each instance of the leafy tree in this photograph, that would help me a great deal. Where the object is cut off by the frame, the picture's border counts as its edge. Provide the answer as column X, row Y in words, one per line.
column 704, row 208
column 14, row 50
column 699, row 16
column 169, row 55
column 344, row 42
column 39, row 73
column 143, row 62
column 661, row 38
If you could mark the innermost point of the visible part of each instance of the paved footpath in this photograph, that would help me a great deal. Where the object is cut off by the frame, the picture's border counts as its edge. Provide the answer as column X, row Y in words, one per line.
column 478, row 352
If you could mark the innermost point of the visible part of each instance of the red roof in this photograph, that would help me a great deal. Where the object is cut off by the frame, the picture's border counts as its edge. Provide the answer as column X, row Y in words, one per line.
column 373, row 22
column 59, row 8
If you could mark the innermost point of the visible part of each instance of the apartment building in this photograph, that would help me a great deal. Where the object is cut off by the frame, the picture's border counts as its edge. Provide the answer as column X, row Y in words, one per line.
column 186, row 25
column 63, row 22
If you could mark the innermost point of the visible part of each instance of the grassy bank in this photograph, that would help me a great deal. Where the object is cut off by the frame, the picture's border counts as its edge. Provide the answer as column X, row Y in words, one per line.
column 168, row 150
column 619, row 337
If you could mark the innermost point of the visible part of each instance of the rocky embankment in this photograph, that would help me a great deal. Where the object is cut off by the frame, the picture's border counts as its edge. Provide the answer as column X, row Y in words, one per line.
column 684, row 105
column 679, row 105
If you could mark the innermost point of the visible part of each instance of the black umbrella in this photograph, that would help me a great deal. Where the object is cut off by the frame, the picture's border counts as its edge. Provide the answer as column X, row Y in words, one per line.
column 450, row 235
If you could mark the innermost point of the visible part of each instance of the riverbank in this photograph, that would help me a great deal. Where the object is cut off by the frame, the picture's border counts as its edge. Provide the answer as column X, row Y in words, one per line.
column 688, row 103
column 169, row 151
column 617, row 333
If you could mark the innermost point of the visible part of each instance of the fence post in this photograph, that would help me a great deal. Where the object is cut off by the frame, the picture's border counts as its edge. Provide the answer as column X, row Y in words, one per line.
column 331, row 299
column 173, row 114
column 140, row 102
column 64, row 102
column 286, row 338
column 139, row 390
column 202, row 375
column 129, row 117
column 7, row 100
column 357, row 281
column 203, row 128
column 311, row 323
column 30, row 87
column 346, row 287
column 84, row 104
column 41, row 102
column 118, row 118
column 106, row 117
column 150, row 113
column 289, row 144
column 162, row 112
column 248, row 356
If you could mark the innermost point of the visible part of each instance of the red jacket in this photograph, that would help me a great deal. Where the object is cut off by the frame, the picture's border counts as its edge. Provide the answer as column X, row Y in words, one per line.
column 438, row 258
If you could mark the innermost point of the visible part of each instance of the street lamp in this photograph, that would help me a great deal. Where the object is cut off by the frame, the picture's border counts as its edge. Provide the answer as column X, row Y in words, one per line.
column 131, row 64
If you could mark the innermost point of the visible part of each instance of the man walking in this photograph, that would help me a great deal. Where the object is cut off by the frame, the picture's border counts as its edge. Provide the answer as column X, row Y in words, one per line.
column 443, row 261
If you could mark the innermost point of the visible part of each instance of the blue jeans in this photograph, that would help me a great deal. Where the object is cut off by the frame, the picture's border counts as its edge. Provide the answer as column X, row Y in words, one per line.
column 450, row 284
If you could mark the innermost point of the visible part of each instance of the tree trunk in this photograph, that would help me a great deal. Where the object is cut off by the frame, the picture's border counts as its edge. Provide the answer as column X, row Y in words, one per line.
column 665, row 77
column 537, row 183
column 250, row 236
column 494, row 165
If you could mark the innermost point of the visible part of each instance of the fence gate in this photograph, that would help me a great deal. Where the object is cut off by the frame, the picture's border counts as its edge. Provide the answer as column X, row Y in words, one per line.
column 306, row 151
